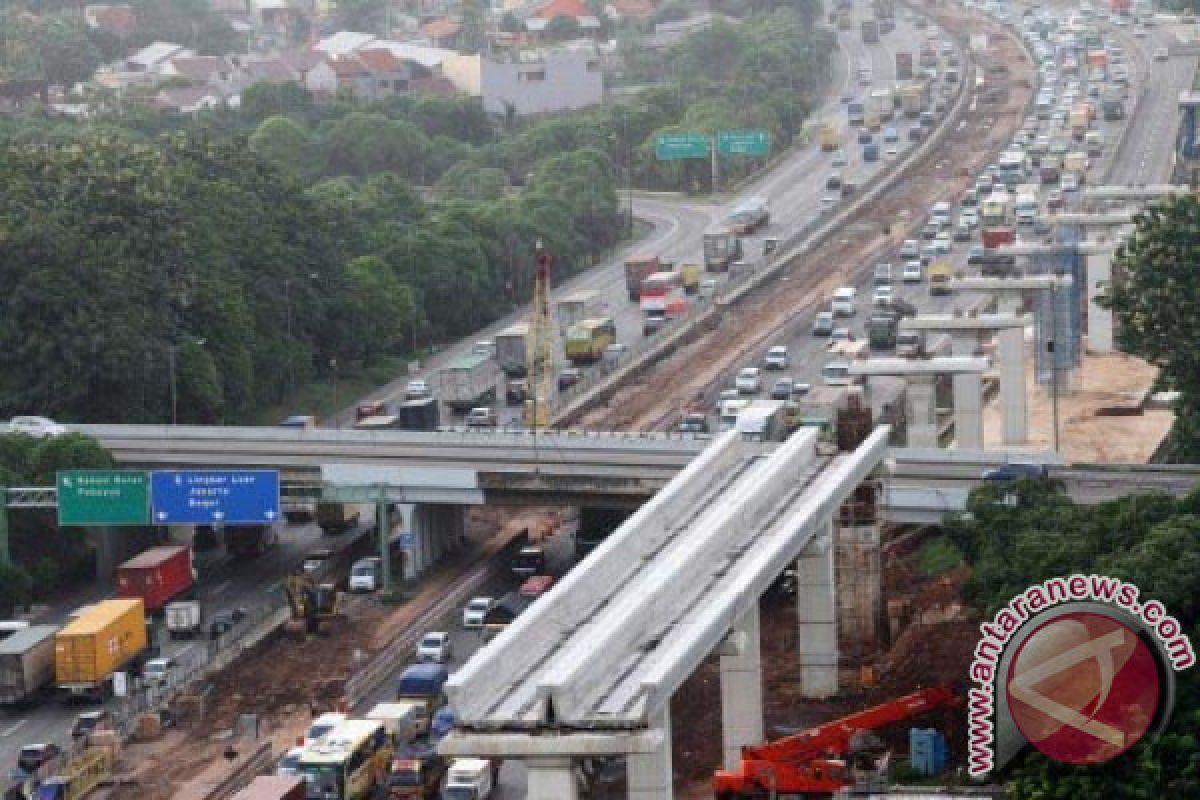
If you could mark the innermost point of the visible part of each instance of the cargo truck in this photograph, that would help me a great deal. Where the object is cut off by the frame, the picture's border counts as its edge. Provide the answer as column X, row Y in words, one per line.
column 689, row 275
column 880, row 101
column 249, row 541
column 580, row 305
column 904, row 66
column 638, row 268
column 762, row 421
column 419, row 415
column 468, row 381
column 415, row 774
column 827, row 135
column 911, row 99
column 470, row 779
column 881, row 330
column 940, row 275
column 999, row 235
column 26, row 664
column 1080, row 120
column 105, row 638
column 158, row 576
column 423, row 684
column 511, row 354
column 83, row 773
column 721, row 248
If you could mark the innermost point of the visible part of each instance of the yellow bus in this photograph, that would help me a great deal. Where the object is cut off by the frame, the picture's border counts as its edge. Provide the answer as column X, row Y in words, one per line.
column 348, row 763
column 587, row 339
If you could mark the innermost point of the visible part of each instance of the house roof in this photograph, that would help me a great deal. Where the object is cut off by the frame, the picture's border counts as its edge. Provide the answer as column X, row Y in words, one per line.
column 378, row 60
column 156, row 53
column 441, row 27
column 198, row 68
column 428, row 57
column 348, row 67
column 343, row 43
column 632, row 8
column 563, row 8
column 187, row 97
column 270, row 71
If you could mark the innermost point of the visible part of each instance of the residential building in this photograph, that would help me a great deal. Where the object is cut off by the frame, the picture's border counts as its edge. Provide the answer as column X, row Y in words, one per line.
column 533, row 82
column 573, row 9
column 191, row 99
column 442, row 32
column 154, row 58
column 369, row 74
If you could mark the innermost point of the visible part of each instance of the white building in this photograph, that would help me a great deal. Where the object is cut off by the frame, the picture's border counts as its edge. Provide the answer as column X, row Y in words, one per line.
column 154, row 58
column 535, row 83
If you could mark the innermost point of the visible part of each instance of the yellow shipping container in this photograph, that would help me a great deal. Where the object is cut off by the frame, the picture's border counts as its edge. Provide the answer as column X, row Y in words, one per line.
column 102, row 639
column 690, row 275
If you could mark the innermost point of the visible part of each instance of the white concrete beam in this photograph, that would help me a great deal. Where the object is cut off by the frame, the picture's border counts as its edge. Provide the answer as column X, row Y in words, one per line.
column 968, row 409
column 979, row 322
column 591, row 744
column 903, row 367
column 1025, row 283
column 649, row 776
column 816, row 616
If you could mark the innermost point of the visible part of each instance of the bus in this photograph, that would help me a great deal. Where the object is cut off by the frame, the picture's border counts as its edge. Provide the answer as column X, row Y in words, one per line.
column 348, row 763
column 663, row 292
column 587, row 339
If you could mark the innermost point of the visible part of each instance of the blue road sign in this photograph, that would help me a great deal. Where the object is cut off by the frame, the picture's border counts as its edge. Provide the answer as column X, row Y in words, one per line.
column 406, row 539
column 199, row 497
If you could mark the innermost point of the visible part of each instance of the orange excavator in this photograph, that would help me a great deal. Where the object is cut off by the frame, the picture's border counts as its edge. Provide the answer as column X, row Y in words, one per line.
column 814, row 761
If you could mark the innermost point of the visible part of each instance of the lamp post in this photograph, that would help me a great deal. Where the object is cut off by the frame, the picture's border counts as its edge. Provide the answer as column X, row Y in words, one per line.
column 171, row 351
column 333, row 365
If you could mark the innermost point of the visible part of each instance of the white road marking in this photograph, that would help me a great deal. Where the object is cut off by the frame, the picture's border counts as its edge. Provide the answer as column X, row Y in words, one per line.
column 220, row 587
column 13, row 729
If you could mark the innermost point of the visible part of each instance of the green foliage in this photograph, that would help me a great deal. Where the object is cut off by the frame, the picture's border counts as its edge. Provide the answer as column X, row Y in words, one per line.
column 16, row 588
column 937, row 556
column 55, row 48
column 1157, row 305
column 1024, row 533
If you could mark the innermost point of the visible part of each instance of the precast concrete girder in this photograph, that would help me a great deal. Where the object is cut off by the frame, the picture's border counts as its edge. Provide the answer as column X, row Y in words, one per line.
column 530, row 639
column 1098, row 194
column 575, row 744
column 636, row 621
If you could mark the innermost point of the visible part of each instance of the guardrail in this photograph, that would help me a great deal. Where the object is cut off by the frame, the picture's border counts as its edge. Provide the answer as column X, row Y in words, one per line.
column 256, row 764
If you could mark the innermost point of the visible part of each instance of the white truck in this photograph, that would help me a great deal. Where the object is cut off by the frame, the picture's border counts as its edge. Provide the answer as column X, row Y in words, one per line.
column 762, row 421
column 578, row 306
column 1026, row 205
column 511, row 354
column 469, row 779
column 468, row 382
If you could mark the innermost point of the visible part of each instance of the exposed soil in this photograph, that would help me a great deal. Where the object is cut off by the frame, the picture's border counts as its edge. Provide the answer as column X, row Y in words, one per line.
column 286, row 680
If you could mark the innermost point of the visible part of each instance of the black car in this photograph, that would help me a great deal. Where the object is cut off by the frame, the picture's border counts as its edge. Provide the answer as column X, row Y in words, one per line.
column 515, row 393
column 568, row 378
column 915, row 134
column 1017, row 471
column 864, row 136
column 693, row 422
column 33, row 756
column 224, row 621
column 782, row 390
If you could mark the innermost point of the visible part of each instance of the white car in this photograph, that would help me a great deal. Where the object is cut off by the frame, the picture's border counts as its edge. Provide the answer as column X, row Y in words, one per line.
column 35, row 426
column 1069, row 183
column 708, row 287
column 883, row 295
column 839, row 158
column 157, row 671
column 969, row 217
column 777, row 358
column 910, row 249
column 942, row 243
column 434, row 646
column 827, row 204
column 912, row 272
column 366, row 574
column 289, row 765
column 891, row 152
column 1161, row 54
column 748, row 381
column 416, row 390
column 844, row 303
column 476, row 610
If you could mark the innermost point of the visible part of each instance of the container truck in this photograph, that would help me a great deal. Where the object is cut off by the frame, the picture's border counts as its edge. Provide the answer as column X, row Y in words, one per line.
column 911, row 99
column 827, row 135
column 510, row 349
column 904, row 66
column 105, row 638
column 869, row 29
column 419, row 415
column 26, row 664
column 721, row 248
column 576, row 306
column 273, row 787
column 249, row 541
column 424, row 685
column 158, row 576
column 469, row 381
column 637, row 268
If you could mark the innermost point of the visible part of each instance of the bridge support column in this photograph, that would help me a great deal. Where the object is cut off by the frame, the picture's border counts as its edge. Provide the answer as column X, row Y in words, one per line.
column 816, row 613
column 922, row 412
column 1099, row 320
column 968, row 410
column 550, row 779
column 1010, row 344
column 741, row 688
column 649, row 775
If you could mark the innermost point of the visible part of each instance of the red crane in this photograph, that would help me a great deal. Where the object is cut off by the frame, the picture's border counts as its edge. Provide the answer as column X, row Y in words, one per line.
column 812, row 761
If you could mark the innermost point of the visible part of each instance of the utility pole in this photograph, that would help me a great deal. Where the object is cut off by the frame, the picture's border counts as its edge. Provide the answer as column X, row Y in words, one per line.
column 333, row 366
column 1051, row 351
column 715, row 177
column 539, row 356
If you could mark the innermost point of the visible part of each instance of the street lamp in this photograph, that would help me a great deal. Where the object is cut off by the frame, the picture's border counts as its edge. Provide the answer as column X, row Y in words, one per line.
column 171, row 351
column 333, row 366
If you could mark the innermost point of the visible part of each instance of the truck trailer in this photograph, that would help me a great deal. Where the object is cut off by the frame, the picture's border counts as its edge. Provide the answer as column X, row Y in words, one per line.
column 468, row 381
column 26, row 664
column 637, row 269
column 511, row 354
column 106, row 637
column 158, row 576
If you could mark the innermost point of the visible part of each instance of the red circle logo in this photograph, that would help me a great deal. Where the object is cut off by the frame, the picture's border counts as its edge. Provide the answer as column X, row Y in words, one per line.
column 1083, row 688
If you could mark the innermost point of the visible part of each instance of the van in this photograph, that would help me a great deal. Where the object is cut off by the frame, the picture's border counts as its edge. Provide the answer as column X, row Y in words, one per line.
column 837, row 373
column 366, row 575
column 469, row 779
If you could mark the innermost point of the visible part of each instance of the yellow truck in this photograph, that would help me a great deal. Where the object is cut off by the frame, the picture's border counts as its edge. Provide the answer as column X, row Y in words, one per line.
column 940, row 273
column 1080, row 119
column 81, row 774
column 689, row 274
column 103, row 639
column 828, row 137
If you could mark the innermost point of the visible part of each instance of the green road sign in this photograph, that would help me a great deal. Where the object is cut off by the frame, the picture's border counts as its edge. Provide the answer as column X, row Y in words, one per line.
column 743, row 143
column 670, row 146
column 103, row 497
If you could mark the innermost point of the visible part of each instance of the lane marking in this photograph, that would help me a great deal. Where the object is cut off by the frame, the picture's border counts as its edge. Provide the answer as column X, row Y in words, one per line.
column 13, row 729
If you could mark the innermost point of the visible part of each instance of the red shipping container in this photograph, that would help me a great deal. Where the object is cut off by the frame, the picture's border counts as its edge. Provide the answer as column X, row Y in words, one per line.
column 999, row 235
column 158, row 575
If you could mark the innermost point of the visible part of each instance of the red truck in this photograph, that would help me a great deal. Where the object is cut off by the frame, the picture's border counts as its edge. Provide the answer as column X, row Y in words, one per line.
column 158, row 575
column 998, row 235
column 638, row 269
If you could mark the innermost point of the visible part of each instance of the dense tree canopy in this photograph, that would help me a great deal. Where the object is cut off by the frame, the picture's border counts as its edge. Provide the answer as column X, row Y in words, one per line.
column 1018, row 535
column 1157, row 304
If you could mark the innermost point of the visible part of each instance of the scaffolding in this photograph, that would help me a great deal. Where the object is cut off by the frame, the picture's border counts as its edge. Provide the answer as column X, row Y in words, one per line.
column 540, row 345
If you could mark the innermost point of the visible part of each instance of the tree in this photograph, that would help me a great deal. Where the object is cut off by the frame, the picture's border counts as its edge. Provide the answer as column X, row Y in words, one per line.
column 264, row 100
column 1157, row 303
column 471, row 182
column 561, row 27
column 283, row 142
column 384, row 308
column 16, row 588
column 361, row 15
column 54, row 49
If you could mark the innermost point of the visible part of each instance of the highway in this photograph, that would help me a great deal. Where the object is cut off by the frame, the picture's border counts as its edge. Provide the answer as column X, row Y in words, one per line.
column 794, row 188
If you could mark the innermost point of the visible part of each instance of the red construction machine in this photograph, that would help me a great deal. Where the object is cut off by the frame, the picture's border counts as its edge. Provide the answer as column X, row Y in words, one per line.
column 821, row 760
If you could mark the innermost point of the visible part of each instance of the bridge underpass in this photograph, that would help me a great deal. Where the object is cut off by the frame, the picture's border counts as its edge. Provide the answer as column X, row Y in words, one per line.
column 592, row 672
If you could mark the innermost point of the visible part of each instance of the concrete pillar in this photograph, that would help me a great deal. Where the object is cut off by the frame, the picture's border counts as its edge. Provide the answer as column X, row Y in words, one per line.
column 1009, row 302
column 859, row 586
column 816, row 614
column 649, row 775
column 1099, row 320
column 109, row 551
column 1011, row 353
column 741, row 688
column 550, row 779
column 964, row 343
column 922, row 412
column 968, row 410
column 420, row 523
